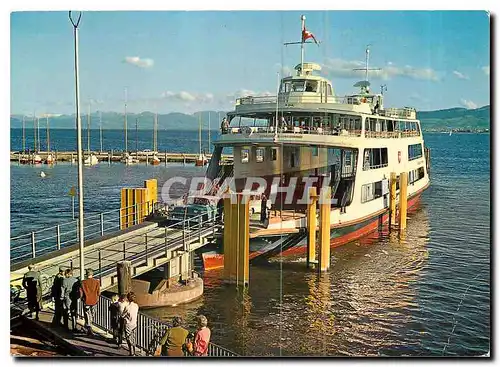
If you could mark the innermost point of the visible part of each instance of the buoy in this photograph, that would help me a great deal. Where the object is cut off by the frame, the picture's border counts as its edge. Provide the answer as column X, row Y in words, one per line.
column 42, row 174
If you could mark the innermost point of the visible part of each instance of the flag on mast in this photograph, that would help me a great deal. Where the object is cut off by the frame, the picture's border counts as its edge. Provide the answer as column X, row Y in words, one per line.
column 306, row 35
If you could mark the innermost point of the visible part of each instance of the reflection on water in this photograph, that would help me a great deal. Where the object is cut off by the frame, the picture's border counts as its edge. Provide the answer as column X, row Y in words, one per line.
column 361, row 307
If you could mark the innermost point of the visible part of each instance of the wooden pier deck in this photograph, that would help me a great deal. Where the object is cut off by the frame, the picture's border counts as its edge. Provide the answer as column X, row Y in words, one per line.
column 77, row 343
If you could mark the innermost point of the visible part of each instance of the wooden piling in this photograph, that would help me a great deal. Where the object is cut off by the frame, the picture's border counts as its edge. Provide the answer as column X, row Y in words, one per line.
column 311, row 226
column 403, row 200
column 392, row 199
column 324, row 235
column 124, row 275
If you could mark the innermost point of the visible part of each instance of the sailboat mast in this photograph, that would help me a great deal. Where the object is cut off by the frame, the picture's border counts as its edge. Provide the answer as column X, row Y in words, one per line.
column 209, row 131
column 125, row 122
column 155, row 133
column 199, row 131
column 24, row 135
column 34, row 131
column 88, row 131
column 366, row 62
column 136, row 141
column 38, row 133
column 48, row 134
column 100, row 129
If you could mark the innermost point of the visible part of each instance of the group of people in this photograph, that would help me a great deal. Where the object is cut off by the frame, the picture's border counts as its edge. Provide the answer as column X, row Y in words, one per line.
column 67, row 290
column 178, row 341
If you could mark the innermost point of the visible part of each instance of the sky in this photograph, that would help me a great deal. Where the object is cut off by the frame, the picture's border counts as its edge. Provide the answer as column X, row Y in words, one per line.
column 187, row 61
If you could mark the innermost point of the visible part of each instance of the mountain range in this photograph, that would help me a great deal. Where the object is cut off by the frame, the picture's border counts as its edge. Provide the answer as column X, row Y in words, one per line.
column 439, row 120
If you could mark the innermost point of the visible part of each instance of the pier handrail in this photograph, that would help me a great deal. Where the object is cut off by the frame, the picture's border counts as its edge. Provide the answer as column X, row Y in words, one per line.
column 147, row 328
column 60, row 236
column 187, row 230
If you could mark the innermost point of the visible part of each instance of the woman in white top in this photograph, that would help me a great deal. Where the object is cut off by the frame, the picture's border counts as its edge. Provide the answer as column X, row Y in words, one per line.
column 129, row 316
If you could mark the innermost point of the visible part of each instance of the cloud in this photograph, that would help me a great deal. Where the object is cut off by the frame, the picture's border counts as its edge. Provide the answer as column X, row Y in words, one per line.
column 486, row 69
column 137, row 61
column 459, row 75
column 344, row 69
column 468, row 104
column 187, row 96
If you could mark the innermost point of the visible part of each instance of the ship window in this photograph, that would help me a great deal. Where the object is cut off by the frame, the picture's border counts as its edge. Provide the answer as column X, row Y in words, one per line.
column 245, row 155
column 311, row 86
column 414, row 151
column 274, row 154
column 285, row 87
column 315, row 151
column 415, row 175
column 259, row 155
column 298, row 85
column 375, row 158
column 371, row 191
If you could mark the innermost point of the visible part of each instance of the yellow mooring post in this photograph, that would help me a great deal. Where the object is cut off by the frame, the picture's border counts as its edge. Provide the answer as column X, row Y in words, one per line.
column 311, row 226
column 403, row 200
column 324, row 229
column 392, row 199
column 236, row 240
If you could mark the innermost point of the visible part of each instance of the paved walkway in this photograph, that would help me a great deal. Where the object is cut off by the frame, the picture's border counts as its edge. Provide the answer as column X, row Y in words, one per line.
column 79, row 344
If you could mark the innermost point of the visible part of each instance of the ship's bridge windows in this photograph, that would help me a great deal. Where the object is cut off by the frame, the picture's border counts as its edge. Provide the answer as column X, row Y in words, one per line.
column 311, row 86
column 375, row 158
column 414, row 151
column 298, row 85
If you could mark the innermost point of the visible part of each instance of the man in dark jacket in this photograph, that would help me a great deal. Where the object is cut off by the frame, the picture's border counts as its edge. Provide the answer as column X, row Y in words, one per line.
column 56, row 296
column 69, row 298
column 90, row 290
column 33, row 285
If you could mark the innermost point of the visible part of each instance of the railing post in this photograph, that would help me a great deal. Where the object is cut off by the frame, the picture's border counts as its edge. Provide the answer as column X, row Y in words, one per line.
column 102, row 224
column 100, row 267
column 146, row 243
column 166, row 240
column 58, row 237
column 200, row 220
column 124, row 251
column 33, row 244
column 136, row 214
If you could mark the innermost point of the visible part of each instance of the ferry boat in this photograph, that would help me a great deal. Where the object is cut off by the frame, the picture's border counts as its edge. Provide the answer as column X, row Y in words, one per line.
column 308, row 134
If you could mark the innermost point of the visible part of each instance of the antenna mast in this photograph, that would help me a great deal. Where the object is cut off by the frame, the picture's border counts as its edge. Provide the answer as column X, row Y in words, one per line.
column 125, row 122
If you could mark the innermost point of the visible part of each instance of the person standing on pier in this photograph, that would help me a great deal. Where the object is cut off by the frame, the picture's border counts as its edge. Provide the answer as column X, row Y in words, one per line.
column 122, row 303
column 114, row 312
column 174, row 339
column 57, row 296
column 33, row 285
column 129, row 316
column 202, row 337
column 69, row 298
column 90, row 290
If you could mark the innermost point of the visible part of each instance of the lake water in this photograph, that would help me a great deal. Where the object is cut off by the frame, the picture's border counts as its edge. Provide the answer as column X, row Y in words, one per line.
column 426, row 294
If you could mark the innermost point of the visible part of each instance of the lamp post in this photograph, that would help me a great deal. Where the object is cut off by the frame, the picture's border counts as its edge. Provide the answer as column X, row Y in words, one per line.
column 81, row 238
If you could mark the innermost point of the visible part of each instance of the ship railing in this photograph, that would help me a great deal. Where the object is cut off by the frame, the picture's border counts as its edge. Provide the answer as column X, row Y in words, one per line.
column 149, row 330
column 297, row 97
column 249, row 130
column 46, row 240
column 406, row 112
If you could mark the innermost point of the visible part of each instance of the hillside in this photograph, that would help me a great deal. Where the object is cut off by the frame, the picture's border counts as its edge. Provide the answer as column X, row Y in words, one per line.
column 455, row 118
column 439, row 120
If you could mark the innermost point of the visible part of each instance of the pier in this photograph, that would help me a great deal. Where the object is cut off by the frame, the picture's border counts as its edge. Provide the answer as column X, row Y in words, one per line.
column 114, row 156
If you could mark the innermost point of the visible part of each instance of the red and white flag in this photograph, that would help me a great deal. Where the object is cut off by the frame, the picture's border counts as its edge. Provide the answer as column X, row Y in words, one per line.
column 306, row 35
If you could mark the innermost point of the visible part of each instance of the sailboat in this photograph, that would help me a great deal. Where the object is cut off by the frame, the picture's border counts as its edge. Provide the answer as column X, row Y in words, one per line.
column 91, row 159
column 450, row 132
column 201, row 160
column 50, row 158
